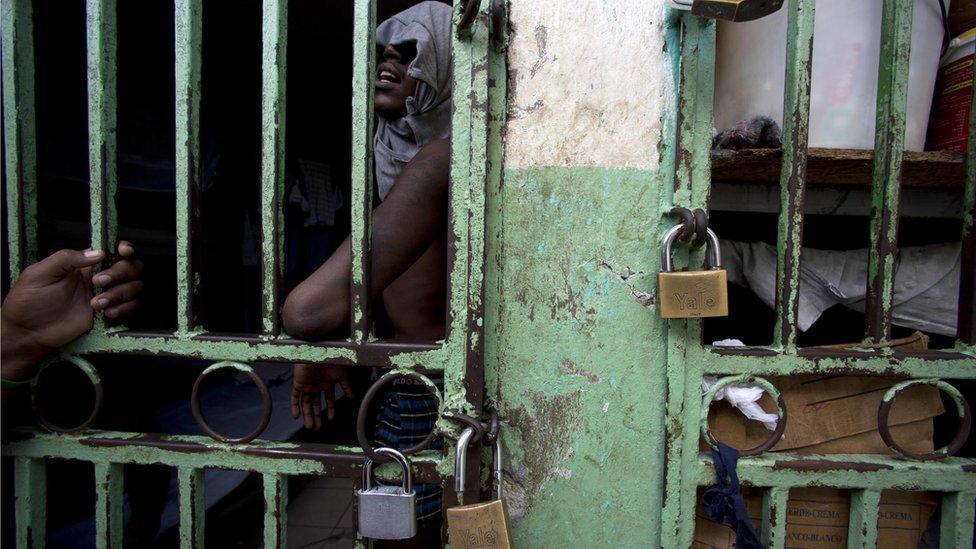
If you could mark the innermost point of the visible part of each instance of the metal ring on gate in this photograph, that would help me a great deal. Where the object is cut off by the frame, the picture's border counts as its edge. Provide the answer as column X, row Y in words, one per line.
column 364, row 411
column 265, row 399
column 469, row 14
column 89, row 370
column 745, row 379
column 962, row 407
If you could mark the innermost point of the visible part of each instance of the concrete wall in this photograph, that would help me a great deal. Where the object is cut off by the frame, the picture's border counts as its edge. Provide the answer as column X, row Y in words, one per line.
column 575, row 348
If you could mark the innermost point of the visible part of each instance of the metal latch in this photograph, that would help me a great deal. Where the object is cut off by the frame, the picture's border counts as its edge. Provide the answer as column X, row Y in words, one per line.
column 730, row 10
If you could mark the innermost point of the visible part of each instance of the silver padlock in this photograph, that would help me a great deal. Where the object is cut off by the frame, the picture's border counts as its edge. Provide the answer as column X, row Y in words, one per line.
column 387, row 512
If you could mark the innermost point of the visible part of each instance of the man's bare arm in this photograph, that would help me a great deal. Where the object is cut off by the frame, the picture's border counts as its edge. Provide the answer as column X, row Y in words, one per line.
column 404, row 225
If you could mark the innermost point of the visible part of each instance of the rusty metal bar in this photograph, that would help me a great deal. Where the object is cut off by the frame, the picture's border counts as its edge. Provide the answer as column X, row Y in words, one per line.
column 189, row 45
column 108, row 505
column 956, row 529
column 250, row 348
column 274, row 34
column 30, row 507
column 967, row 281
column 796, row 117
column 275, row 511
column 192, row 507
column 363, row 73
column 775, row 502
column 889, row 145
column 862, row 526
column 20, row 156
column 102, row 126
column 198, row 452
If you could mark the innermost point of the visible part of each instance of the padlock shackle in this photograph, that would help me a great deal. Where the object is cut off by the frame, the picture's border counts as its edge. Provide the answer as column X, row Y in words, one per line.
column 667, row 242
column 461, row 458
column 497, row 467
column 396, row 456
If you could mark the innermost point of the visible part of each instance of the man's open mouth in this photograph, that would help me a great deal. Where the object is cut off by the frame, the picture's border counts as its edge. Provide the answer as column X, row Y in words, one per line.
column 387, row 76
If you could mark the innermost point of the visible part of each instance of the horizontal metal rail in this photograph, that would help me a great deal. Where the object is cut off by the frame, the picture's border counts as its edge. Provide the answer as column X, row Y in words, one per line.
column 771, row 362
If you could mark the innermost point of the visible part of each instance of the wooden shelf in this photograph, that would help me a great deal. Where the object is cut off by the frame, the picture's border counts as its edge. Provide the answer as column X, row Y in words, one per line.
column 938, row 169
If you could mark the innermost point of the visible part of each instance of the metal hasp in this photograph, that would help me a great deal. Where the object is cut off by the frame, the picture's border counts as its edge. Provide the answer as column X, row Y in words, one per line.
column 731, row 10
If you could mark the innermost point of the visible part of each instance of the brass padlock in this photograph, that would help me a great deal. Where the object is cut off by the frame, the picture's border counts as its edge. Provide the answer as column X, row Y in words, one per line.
column 731, row 10
column 692, row 294
column 479, row 525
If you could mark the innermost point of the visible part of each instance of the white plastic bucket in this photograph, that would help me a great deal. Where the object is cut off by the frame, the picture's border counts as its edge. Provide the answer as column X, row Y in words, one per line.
column 751, row 68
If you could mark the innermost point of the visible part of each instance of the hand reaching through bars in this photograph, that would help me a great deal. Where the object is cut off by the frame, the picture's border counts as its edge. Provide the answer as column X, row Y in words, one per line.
column 51, row 303
column 308, row 383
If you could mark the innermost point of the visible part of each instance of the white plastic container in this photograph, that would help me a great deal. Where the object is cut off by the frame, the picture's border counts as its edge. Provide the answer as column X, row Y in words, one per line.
column 751, row 67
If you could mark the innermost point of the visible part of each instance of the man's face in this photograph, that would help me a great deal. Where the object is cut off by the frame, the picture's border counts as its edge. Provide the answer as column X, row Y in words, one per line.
column 393, row 84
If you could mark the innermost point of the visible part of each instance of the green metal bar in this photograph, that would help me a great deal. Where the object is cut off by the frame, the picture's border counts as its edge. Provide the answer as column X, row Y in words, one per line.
column 275, row 511
column 942, row 365
column 889, row 144
column 691, row 189
column 192, row 507
column 199, row 452
column 30, row 507
column 219, row 347
column 274, row 34
column 20, row 156
column 363, row 73
column 108, row 505
column 775, row 501
column 862, row 526
column 956, row 529
column 102, row 111
column 796, row 118
column 847, row 471
column 188, row 39
column 967, row 280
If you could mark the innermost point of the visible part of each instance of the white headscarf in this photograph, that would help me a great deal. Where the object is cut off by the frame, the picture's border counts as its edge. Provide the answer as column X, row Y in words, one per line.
column 428, row 117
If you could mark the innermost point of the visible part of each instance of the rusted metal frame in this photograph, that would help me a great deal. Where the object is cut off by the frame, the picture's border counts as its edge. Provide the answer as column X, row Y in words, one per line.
column 774, row 505
column 199, row 452
column 847, row 471
column 796, row 117
column 361, row 234
column 746, row 379
column 275, row 511
column 189, row 46
column 274, row 44
column 469, row 178
column 956, row 528
column 691, row 190
column 102, row 127
column 192, row 507
column 30, row 502
column 889, row 144
column 20, row 154
column 251, row 348
column 768, row 362
column 862, row 526
column 967, row 275
column 108, row 505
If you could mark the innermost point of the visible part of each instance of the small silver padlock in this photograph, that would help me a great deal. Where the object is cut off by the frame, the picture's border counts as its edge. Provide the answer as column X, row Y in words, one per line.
column 387, row 512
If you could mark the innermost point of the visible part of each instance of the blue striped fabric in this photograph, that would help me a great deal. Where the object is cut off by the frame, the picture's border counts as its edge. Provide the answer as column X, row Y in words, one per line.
column 406, row 417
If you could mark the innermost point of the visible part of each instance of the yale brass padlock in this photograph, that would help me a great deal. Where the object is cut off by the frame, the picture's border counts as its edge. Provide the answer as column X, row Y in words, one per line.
column 692, row 294
column 479, row 525
column 731, row 10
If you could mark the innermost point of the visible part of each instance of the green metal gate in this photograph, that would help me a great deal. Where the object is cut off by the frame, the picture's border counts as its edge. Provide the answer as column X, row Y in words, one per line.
column 689, row 360
column 479, row 87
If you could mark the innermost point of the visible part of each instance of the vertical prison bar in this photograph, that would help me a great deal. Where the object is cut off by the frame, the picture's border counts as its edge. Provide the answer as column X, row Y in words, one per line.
column 889, row 145
column 274, row 33
column 796, row 118
column 20, row 157
column 956, row 526
column 275, row 511
column 30, row 507
column 108, row 505
column 862, row 524
column 188, row 39
column 192, row 507
column 967, row 273
column 775, row 501
column 102, row 106
column 363, row 72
